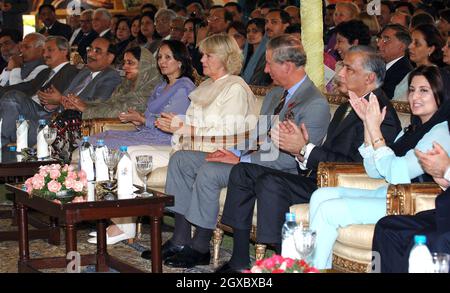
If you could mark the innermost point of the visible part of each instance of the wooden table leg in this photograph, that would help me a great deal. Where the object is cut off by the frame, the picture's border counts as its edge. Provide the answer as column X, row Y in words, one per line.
column 54, row 236
column 24, row 251
column 14, row 214
column 102, row 253
column 156, row 244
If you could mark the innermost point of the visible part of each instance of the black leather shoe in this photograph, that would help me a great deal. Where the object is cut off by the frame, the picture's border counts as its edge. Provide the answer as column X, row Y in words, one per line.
column 188, row 258
column 227, row 269
column 168, row 249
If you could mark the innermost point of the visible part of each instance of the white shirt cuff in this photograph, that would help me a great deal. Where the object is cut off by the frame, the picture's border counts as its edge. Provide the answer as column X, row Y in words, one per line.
column 447, row 174
column 309, row 148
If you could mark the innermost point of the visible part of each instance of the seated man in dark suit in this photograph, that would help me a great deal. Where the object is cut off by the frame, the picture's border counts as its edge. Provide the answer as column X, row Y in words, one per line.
column 21, row 98
column 9, row 46
column 86, row 35
column 25, row 65
column 196, row 178
column 392, row 45
column 393, row 236
column 276, row 191
column 97, row 81
column 52, row 27
column 101, row 23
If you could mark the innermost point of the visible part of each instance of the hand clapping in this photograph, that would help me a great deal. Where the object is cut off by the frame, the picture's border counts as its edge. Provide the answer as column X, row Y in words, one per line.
column 290, row 137
column 169, row 122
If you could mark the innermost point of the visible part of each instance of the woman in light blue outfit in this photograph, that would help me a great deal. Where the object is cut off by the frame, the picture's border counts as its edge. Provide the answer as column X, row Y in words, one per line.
column 335, row 207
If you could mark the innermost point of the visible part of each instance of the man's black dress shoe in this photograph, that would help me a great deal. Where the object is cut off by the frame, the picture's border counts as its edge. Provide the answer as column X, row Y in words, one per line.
column 168, row 249
column 227, row 269
column 188, row 258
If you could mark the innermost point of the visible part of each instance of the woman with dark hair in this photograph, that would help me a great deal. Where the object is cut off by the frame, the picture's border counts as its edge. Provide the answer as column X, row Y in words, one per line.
column 334, row 207
column 191, row 26
column 147, row 34
column 135, row 26
column 393, row 235
column 255, row 30
column 237, row 30
column 169, row 96
column 425, row 49
column 255, row 47
column 351, row 33
column 123, row 37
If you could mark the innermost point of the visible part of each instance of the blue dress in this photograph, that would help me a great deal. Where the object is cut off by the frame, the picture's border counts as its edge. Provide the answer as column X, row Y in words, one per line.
column 334, row 207
column 173, row 99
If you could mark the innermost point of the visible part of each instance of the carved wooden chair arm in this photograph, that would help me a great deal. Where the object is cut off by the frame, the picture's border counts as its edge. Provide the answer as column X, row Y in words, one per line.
column 409, row 199
column 97, row 125
column 328, row 172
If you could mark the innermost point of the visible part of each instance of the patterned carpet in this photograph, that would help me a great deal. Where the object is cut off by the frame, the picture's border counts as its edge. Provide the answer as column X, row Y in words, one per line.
column 130, row 253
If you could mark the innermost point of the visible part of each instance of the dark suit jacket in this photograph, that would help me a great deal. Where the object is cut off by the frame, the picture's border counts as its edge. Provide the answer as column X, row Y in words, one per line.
column 61, row 81
column 344, row 138
column 307, row 105
column 395, row 74
column 84, row 42
column 58, row 29
column 12, row 19
column 108, row 35
column 3, row 64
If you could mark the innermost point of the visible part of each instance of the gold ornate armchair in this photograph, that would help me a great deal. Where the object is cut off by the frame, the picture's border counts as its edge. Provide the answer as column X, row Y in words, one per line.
column 352, row 251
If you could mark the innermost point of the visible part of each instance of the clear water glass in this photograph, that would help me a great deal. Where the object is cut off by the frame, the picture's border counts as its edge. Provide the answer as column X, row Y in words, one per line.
column 440, row 262
column 144, row 165
column 305, row 242
column 49, row 136
column 111, row 157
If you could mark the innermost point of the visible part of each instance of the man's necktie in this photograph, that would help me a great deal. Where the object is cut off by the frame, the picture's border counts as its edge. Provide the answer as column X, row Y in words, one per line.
column 50, row 76
column 280, row 104
column 80, row 87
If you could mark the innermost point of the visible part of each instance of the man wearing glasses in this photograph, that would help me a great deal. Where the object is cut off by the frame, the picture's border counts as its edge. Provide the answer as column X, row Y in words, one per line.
column 218, row 20
column 392, row 44
column 86, row 35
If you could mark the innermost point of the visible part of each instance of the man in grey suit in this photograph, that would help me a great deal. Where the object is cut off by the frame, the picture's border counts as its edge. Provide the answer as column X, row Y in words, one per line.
column 196, row 178
column 97, row 81
column 22, row 98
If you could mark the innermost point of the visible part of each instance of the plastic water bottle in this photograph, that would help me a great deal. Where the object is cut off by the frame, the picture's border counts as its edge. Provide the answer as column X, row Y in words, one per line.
column 101, row 170
column 124, row 175
column 41, row 145
column 420, row 260
column 86, row 163
column 287, row 237
column 21, row 133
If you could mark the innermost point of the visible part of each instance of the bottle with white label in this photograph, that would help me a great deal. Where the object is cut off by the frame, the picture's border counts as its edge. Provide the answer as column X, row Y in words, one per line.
column 41, row 144
column 124, row 175
column 287, row 237
column 101, row 170
column 86, row 162
column 21, row 133
column 420, row 260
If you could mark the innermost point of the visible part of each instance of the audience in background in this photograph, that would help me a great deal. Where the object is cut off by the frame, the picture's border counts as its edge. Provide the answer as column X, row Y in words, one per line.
column 52, row 27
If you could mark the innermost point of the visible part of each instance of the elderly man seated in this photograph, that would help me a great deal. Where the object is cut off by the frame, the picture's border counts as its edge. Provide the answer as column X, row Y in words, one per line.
column 96, row 81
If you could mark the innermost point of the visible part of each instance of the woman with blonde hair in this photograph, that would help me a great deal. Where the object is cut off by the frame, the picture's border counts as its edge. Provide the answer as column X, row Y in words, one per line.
column 222, row 105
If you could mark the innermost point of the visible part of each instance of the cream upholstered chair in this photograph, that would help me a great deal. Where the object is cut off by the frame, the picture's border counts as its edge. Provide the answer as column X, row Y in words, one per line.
column 352, row 251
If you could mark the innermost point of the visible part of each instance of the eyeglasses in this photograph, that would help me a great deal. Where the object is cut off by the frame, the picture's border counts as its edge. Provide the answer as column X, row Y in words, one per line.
column 95, row 50
column 176, row 29
column 213, row 19
column 384, row 39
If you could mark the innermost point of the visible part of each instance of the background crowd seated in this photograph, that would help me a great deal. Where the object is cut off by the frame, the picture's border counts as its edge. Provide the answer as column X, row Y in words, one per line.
column 76, row 74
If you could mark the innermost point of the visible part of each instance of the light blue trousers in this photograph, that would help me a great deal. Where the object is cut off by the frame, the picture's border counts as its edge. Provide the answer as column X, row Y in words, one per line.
column 333, row 207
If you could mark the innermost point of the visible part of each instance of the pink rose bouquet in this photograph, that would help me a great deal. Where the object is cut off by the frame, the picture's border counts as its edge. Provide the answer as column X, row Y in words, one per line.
column 56, row 182
column 278, row 264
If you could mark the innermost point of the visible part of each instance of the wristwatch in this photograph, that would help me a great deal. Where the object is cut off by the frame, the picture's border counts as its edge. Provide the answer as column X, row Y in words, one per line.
column 303, row 150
